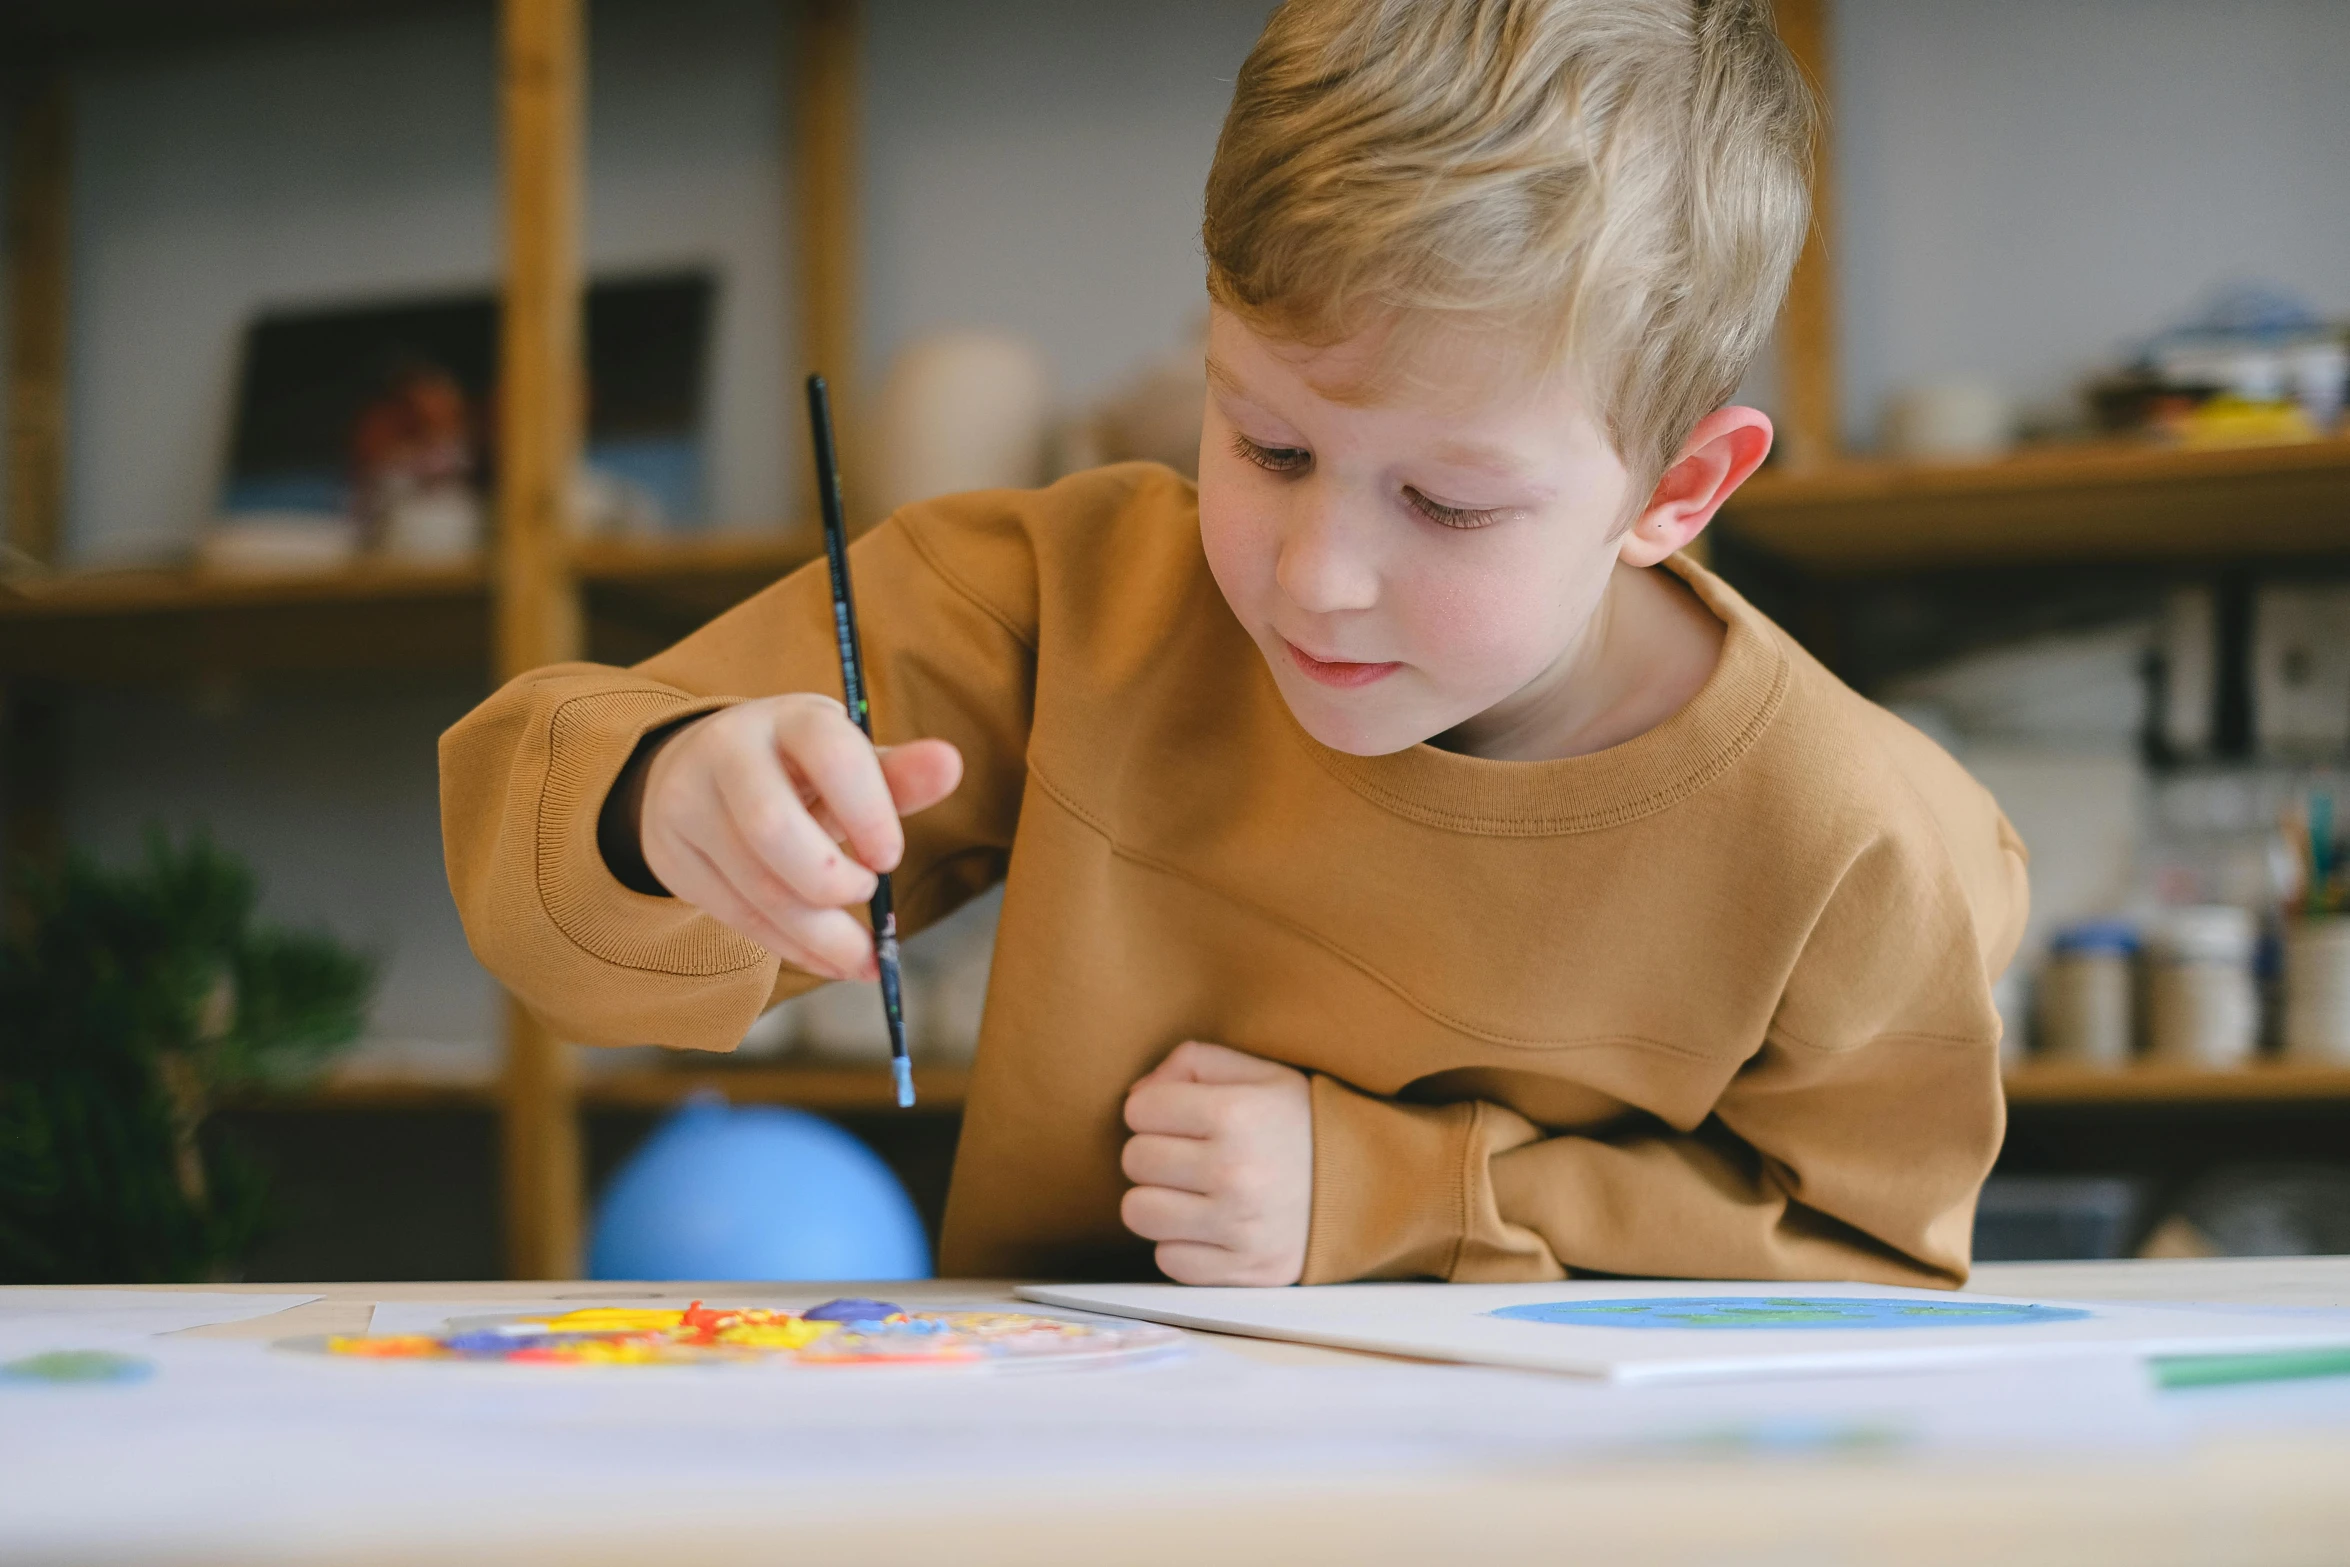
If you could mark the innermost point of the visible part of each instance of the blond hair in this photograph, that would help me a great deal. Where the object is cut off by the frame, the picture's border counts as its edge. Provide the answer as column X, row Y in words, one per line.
column 1619, row 185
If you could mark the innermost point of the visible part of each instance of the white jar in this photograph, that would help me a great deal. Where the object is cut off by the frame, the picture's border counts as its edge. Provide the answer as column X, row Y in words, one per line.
column 2317, row 990
column 2202, row 1007
column 2084, row 1004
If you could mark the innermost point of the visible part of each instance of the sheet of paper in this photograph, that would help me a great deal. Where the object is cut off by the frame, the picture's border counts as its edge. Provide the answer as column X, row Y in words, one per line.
column 33, row 1320
column 1634, row 1331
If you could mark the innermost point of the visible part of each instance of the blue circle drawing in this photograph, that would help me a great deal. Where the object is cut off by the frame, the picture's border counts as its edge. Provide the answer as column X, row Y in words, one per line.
column 1780, row 1313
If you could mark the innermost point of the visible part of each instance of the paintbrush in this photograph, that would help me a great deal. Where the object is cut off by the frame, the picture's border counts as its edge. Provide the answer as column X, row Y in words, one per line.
column 852, row 687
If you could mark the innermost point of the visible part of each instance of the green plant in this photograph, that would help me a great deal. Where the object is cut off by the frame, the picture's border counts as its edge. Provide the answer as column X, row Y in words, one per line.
column 130, row 1001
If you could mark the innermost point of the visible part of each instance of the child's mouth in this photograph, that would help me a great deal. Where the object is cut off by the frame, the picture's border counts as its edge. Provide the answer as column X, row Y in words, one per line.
column 1337, row 672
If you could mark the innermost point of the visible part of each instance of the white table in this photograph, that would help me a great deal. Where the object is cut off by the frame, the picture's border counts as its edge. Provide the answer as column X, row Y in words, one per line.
column 2273, row 1486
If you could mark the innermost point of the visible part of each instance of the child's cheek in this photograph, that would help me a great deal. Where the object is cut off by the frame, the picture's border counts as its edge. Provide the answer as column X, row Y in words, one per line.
column 1239, row 549
column 1483, row 630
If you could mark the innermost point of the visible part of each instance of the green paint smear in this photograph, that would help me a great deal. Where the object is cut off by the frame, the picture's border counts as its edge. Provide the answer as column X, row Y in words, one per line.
column 78, row 1365
column 2219, row 1370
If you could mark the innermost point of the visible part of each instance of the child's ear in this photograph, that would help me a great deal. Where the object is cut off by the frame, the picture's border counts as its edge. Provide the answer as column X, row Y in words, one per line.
column 1727, row 445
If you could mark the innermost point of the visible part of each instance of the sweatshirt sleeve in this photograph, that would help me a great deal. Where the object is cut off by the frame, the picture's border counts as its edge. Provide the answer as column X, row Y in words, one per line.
column 946, row 599
column 1849, row 1146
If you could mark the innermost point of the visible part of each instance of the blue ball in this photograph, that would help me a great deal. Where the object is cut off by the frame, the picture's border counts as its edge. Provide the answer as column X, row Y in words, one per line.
column 755, row 1193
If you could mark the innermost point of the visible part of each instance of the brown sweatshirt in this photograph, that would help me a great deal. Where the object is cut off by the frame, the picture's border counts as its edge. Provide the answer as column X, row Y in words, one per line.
column 1713, row 1003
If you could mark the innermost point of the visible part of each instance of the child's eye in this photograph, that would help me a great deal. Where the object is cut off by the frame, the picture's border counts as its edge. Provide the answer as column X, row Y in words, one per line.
column 1273, row 459
column 1449, row 516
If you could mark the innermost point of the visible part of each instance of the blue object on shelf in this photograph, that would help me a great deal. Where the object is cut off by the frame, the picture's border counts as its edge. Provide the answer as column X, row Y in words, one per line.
column 2118, row 937
column 757, row 1194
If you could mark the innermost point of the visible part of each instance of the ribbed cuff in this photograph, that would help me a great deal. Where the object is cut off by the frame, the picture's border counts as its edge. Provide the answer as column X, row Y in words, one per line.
column 590, row 738
column 1405, row 1191
column 1389, row 1189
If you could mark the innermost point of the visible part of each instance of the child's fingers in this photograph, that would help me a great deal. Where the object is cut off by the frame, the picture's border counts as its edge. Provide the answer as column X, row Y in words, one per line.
column 827, row 941
column 1195, row 1262
column 1157, row 1213
column 706, row 888
column 1170, row 1108
column 1195, row 1061
column 1184, row 1164
column 921, row 773
column 831, row 755
column 761, row 813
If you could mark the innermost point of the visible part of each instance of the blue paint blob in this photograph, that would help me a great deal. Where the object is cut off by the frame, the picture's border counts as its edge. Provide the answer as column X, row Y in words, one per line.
column 487, row 1341
column 851, row 1308
column 1788, row 1313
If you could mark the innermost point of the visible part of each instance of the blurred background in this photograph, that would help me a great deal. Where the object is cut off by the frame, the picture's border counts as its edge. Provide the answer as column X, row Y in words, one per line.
column 360, row 352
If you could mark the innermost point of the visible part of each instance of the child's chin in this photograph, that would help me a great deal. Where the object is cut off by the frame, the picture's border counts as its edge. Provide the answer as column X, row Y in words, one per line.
column 1355, row 727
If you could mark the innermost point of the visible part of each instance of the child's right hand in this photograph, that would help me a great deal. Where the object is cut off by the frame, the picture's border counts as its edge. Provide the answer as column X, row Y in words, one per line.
column 773, row 816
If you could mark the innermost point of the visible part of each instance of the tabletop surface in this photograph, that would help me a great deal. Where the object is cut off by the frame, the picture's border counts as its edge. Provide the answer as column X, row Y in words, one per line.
column 2236, row 1475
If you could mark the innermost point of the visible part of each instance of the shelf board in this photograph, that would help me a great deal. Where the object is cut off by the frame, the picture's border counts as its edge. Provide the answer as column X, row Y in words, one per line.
column 2088, row 503
column 852, row 1089
column 2269, row 1082
column 846, row 1089
column 135, row 625
column 156, row 624
column 372, row 1094
column 841, row 1089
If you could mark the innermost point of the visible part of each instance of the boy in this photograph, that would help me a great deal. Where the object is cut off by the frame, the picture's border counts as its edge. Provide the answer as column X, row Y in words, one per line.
column 1406, row 876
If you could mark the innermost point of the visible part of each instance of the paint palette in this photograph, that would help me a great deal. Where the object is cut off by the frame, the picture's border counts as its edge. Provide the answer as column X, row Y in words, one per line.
column 855, row 1332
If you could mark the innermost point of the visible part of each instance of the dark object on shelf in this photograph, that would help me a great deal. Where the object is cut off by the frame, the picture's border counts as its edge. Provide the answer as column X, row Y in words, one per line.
column 2055, row 1218
column 308, row 376
column 130, row 1001
column 2260, row 1210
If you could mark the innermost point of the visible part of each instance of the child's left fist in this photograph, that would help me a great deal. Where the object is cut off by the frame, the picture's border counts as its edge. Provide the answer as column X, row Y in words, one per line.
column 1222, row 1160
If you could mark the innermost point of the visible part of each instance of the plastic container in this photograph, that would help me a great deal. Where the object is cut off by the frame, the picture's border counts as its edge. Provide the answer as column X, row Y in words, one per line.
column 2317, row 990
column 2202, row 1004
column 2085, row 1007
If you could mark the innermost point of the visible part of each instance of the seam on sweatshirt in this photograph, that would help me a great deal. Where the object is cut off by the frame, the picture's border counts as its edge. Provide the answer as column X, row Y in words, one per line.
column 962, row 589
column 546, row 881
column 1779, row 1036
column 1433, row 1013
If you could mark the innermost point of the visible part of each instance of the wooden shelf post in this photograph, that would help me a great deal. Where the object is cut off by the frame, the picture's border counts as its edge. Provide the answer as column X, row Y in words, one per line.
column 32, row 718
column 536, row 612
column 1807, row 321
column 823, row 45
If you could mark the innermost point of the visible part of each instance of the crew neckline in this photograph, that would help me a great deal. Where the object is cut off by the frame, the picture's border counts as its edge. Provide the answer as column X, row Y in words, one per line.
column 1646, row 774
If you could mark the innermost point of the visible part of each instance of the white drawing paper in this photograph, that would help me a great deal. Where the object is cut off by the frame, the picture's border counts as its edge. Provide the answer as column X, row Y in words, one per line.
column 1632, row 1330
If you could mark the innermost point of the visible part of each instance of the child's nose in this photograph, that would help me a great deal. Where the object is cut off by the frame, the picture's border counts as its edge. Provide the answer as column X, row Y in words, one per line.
column 1324, row 566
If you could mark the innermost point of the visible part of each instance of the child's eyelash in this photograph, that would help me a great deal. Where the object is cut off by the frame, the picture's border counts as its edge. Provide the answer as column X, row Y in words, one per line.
column 1449, row 516
column 1273, row 459
column 1294, row 459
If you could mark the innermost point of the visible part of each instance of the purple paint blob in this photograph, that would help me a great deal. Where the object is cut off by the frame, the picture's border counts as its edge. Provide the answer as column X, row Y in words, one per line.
column 854, row 1308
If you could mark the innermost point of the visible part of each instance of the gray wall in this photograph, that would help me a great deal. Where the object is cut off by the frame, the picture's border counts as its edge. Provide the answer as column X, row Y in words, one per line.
column 2026, row 183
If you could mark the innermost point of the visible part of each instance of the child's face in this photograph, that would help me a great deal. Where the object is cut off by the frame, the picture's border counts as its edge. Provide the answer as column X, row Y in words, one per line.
column 1411, row 562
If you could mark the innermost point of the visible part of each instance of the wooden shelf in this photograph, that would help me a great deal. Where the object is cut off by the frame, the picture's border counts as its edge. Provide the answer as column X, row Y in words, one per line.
column 386, row 1094
column 137, row 625
column 848, row 1089
column 836, row 1089
column 115, row 626
column 2273, row 1082
column 2092, row 503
